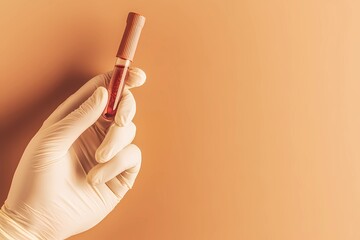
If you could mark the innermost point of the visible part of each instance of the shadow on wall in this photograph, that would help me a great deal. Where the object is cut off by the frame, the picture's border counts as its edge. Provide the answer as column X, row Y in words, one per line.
column 16, row 131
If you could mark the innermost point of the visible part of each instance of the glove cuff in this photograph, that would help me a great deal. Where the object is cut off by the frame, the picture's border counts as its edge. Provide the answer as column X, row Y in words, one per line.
column 11, row 230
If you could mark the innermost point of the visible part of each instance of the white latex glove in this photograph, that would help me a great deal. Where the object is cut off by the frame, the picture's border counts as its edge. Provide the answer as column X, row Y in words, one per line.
column 77, row 167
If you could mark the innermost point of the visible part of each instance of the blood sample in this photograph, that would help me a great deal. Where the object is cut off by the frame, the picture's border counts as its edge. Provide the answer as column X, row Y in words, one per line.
column 124, row 57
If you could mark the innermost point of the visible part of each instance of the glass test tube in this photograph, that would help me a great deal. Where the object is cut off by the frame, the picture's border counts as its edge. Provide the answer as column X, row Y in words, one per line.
column 125, row 55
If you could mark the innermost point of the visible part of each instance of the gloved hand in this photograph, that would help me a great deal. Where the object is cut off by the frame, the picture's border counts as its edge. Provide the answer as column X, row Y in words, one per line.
column 76, row 168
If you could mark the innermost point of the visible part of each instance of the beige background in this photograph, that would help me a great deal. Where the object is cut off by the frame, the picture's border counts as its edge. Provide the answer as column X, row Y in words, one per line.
column 249, row 122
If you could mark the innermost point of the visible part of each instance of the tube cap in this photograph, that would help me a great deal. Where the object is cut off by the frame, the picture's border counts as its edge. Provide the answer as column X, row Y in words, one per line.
column 130, row 39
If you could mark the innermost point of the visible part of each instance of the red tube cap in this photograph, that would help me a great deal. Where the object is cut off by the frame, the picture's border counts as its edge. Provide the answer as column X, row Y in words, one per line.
column 130, row 39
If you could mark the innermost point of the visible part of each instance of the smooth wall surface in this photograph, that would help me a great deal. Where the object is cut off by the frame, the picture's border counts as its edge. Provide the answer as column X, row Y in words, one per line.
column 249, row 122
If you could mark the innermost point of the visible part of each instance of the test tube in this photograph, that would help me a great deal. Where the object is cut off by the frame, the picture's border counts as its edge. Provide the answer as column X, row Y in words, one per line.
column 124, row 57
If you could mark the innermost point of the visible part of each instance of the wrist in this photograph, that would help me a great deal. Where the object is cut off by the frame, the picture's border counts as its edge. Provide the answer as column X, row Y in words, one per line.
column 10, row 229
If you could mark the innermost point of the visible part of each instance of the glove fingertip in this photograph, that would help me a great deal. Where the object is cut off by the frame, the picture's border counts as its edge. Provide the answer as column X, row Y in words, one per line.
column 103, row 155
column 93, row 179
column 102, row 93
column 136, row 78
column 98, row 156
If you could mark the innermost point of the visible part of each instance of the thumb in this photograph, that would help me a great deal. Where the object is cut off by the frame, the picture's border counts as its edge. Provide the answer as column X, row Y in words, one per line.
column 76, row 122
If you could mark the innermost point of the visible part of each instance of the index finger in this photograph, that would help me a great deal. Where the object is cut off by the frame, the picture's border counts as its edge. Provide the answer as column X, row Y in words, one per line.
column 135, row 78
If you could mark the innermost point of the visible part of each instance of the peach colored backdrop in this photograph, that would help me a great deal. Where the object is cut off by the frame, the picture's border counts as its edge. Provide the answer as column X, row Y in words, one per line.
column 249, row 122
